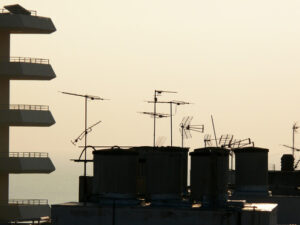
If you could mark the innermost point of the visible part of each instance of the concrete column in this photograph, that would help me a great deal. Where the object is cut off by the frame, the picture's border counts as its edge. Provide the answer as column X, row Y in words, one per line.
column 4, row 103
column 4, row 188
column 4, row 46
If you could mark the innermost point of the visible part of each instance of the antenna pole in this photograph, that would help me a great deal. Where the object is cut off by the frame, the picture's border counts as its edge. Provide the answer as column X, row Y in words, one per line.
column 85, row 136
column 182, row 136
column 213, row 124
column 293, row 140
column 154, row 117
column 231, row 160
column 171, row 106
column 85, row 144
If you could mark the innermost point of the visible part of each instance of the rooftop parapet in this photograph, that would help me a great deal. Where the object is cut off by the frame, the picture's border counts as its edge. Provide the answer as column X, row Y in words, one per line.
column 16, row 19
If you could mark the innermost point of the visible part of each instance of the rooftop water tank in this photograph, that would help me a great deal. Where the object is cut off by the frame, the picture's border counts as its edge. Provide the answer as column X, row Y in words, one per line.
column 115, row 173
column 209, row 176
column 287, row 162
column 251, row 166
column 163, row 171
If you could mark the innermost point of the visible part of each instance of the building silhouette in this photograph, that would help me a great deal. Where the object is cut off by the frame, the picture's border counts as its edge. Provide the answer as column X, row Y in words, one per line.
column 15, row 19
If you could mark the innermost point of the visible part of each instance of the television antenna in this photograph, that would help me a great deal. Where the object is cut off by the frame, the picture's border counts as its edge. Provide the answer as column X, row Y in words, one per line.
column 86, row 98
column 294, row 128
column 155, row 115
column 293, row 148
column 240, row 143
column 213, row 125
column 82, row 135
column 186, row 128
column 156, row 94
column 224, row 141
column 173, row 102
column 160, row 140
column 233, row 144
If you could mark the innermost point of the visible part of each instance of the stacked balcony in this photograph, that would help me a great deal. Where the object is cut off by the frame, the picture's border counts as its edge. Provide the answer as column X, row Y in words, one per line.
column 25, row 68
column 26, row 162
column 17, row 210
column 15, row 19
column 23, row 22
column 26, row 115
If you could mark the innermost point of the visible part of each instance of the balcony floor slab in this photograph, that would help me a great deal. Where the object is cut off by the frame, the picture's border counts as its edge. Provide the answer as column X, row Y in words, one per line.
column 26, row 71
column 26, row 24
column 19, row 165
column 35, row 118
column 23, row 212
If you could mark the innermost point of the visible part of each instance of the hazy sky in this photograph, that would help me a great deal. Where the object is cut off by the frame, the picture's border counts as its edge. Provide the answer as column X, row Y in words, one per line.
column 237, row 60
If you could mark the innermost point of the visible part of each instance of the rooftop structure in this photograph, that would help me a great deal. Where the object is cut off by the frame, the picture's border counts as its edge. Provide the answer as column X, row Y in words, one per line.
column 144, row 185
column 15, row 19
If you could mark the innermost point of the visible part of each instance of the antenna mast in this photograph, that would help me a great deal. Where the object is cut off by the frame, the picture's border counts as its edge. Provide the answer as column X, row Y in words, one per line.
column 173, row 102
column 295, row 128
column 86, row 98
column 213, row 124
column 157, row 93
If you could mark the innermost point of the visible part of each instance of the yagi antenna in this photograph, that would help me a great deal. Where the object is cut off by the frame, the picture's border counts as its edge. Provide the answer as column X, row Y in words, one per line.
column 207, row 140
column 82, row 135
column 173, row 102
column 225, row 140
column 293, row 148
column 90, row 97
column 157, row 115
column 86, row 98
column 186, row 128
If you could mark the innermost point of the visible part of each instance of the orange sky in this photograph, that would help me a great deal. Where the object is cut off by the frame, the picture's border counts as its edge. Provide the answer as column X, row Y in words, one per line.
column 236, row 60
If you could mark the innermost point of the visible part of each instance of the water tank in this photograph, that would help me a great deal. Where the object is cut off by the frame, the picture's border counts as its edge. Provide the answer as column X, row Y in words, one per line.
column 163, row 172
column 287, row 162
column 209, row 176
column 251, row 166
column 115, row 173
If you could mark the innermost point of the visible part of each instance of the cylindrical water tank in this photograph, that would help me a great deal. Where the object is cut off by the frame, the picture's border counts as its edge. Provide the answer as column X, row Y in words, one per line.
column 164, row 171
column 115, row 172
column 209, row 176
column 251, row 167
column 287, row 162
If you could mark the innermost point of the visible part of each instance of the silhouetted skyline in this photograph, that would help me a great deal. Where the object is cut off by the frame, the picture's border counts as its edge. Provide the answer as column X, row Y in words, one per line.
column 237, row 61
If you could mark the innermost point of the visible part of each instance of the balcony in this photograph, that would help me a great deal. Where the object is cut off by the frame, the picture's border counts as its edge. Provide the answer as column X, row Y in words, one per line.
column 24, row 209
column 26, row 115
column 26, row 24
column 26, row 68
column 26, row 162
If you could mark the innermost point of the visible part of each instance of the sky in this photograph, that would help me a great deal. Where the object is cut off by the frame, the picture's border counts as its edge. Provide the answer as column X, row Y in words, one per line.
column 235, row 60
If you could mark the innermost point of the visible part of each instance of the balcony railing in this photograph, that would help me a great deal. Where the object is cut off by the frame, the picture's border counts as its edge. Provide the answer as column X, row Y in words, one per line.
column 24, row 107
column 32, row 12
column 25, row 202
column 29, row 60
column 25, row 155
